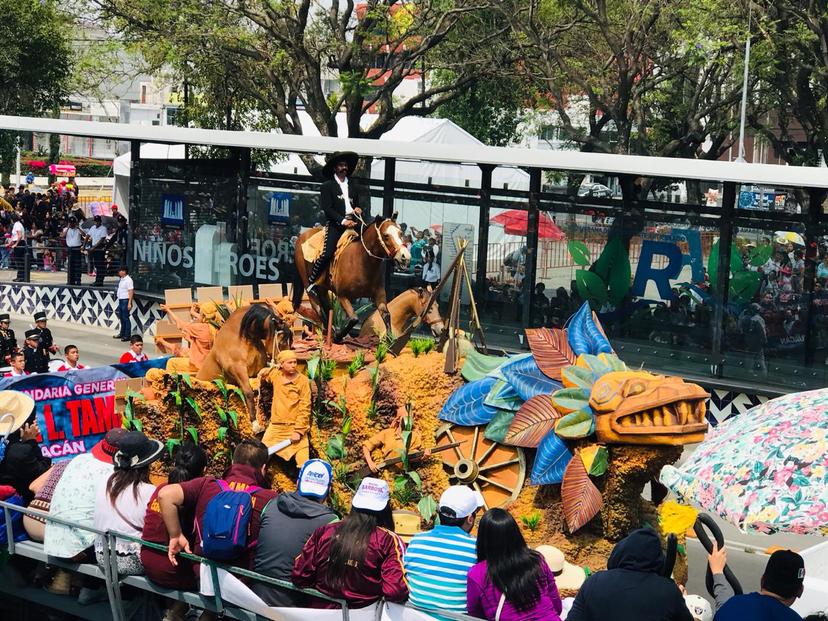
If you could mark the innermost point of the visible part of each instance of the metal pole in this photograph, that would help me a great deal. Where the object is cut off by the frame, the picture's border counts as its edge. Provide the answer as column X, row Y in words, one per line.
column 483, row 232
column 722, row 275
column 741, row 157
column 388, row 210
column 134, row 198
column 530, row 268
column 17, row 147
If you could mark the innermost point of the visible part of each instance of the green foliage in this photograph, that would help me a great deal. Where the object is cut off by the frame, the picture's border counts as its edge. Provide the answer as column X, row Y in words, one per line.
column 356, row 364
column 336, row 447
column 222, row 388
column 744, row 284
column 222, row 434
column 171, row 444
column 428, row 509
column 532, row 520
column 498, row 426
column 406, row 489
column 128, row 420
column 421, row 345
column 591, row 288
column 313, row 367
column 193, row 434
column 326, row 369
column 579, row 252
column 194, row 406
column 382, row 351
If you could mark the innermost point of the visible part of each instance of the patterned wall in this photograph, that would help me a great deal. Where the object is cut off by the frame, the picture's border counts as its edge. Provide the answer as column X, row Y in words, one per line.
column 83, row 305
column 724, row 404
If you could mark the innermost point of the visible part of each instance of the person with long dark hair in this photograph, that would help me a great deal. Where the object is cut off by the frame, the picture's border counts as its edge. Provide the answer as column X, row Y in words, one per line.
column 510, row 582
column 359, row 559
column 121, row 502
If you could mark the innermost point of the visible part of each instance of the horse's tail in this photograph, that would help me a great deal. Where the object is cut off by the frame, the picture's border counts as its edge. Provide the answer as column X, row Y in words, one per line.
column 259, row 323
column 298, row 291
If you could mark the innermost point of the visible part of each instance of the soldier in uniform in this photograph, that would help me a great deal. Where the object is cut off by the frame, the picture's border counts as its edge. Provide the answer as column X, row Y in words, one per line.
column 8, row 342
column 36, row 360
column 47, row 343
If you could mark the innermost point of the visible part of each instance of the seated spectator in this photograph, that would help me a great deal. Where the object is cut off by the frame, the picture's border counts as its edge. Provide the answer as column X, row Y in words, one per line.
column 438, row 561
column 121, row 502
column 135, row 352
column 21, row 461
column 43, row 487
column 18, row 365
column 287, row 523
column 511, row 581
column 632, row 587
column 74, row 500
column 190, row 462
column 246, row 473
column 358, row 559
column 699, row 608
column 72, row 355
column 780, row 587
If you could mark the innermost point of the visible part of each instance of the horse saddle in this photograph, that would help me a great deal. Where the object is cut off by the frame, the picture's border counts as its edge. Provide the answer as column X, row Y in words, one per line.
column 313, row 245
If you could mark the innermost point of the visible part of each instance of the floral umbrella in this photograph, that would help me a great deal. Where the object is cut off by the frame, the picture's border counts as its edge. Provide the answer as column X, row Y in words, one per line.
column 766, row 470
column 514, row 222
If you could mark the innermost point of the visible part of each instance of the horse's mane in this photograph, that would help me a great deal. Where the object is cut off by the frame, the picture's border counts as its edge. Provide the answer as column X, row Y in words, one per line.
column 258, row 323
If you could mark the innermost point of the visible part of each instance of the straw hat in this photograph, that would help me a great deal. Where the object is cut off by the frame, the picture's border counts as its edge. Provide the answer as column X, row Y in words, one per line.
column 19, row 406
column 567, row 575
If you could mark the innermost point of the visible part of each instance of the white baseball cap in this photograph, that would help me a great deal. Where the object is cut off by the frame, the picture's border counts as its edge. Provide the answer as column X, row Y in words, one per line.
column 462, row 500
column 314, row 478
column 699, row 607
column 372, row 495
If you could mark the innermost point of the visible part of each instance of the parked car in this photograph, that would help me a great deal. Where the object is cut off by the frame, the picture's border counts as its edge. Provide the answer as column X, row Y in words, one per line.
column 594, row 190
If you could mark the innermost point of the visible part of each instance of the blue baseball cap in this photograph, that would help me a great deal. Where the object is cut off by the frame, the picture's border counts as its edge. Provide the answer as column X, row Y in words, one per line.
column 315, row 479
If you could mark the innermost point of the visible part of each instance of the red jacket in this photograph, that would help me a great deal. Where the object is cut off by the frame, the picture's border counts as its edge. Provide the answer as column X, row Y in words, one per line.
column 379, row 574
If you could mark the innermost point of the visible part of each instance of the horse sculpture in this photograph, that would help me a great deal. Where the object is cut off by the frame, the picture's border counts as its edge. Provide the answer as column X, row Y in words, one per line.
column 241, row 348
column 359, row 270
column 402, row 309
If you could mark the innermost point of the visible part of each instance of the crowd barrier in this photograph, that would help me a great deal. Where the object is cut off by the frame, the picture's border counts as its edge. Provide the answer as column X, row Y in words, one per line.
column 221, row 592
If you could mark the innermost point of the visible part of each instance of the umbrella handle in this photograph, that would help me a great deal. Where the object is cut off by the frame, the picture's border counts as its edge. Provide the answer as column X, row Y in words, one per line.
column 702, row 521
column 670, row 556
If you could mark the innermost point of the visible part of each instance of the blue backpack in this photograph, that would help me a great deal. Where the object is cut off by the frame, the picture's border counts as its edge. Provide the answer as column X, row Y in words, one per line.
column 224, row 528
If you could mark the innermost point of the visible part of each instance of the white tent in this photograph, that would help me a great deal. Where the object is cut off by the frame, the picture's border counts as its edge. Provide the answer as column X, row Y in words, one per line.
column 120, row 167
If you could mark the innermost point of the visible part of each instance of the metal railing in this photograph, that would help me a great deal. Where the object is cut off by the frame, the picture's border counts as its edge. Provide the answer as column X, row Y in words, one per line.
column 56, row 258
column 113, row 580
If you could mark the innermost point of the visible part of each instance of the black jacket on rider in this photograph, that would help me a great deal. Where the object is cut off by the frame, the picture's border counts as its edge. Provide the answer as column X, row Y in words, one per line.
column 632, row 587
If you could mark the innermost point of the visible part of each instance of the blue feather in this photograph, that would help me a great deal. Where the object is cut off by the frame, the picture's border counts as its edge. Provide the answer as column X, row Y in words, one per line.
column 550, row 461
column 527, row 379
column 598, row 343
column 465, row 405
column 577, row 333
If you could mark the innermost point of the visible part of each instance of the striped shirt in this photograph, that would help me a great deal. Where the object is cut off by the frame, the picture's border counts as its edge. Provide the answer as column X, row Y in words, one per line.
column 436, row 565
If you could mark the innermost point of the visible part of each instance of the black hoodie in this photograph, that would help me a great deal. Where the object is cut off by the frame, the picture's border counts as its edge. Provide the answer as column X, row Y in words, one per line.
column 287, row 523
column 631, row 589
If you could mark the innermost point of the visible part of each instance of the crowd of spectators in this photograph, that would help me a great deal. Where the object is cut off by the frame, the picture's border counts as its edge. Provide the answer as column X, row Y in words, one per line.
column 295, row 536
column 47, row 231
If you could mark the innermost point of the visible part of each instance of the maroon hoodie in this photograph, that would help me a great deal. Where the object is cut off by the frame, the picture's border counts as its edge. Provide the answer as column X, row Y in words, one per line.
column 379, row 574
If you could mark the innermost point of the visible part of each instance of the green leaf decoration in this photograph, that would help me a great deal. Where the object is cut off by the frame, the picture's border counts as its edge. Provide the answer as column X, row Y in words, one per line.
column 427, row 508
column 131, row 394
column 533, row 421
column 222, row 433
column 760, row 255
column 234, row 418
column 187, row 380
column 128, row 409
column 613, row 268
column 476, row 365
column 193, row 433
column 591, row 288
column 412, row 474
column 579, row 252
column 240, row 394
column 177, row 395
column 743, row 286
column 498, row 426
column 595, row 458
column 335, row 448
column 221, row 386
column 570, row 399
column 171, row 444
column 713, row 262
column 194, row 406
column 576, row 425
column 503, row 396
column 222, row 413
column 139, row 426
column 313, row 367
column 598, row 366
column 615, row 363
column 578, row 376
column 346, row 425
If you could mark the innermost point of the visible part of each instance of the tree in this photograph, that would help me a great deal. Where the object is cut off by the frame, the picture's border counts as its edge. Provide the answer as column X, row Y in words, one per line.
column 492, row 110
column 264, row 60
column 652, row 77
column 35, row 63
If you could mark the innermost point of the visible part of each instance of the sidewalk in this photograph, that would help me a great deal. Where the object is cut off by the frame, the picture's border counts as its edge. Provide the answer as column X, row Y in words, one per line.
column 96, row 345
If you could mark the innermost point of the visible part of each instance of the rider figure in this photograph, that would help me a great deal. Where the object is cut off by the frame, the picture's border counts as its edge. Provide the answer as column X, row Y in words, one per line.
column 338, row 198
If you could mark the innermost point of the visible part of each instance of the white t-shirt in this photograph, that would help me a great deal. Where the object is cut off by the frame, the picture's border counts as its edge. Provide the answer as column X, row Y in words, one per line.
column 18, row 233
column 73, row 237
column 134, row 510
column 343, row 186
column 96, row 234
column 431, row 274
column 124, row 287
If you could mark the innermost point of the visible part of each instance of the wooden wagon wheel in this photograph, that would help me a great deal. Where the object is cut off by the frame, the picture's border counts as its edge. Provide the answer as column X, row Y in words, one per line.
column 495, row 470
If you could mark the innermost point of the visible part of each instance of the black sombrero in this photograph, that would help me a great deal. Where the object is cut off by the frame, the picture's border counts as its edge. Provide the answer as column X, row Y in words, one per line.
column 349, row 157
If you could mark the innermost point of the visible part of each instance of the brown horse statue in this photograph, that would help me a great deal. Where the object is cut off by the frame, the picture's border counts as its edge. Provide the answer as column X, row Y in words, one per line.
column 402, row 309
column 242, row 346
column 359, row 272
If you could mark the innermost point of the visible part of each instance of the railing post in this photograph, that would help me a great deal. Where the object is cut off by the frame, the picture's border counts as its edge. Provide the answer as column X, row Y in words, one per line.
column 483, row 232
column 216, row 590
column 527, row 294
column 110, row 570
column 388, row 209
column 722, row 276
column 134, row 198
column 9, row 529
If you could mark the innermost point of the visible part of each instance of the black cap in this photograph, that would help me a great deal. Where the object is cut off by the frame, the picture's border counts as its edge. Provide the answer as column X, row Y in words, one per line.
column 40, row 316
column 784, row 574
column 32, row 334
column 4, row 317
column 135, row 450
